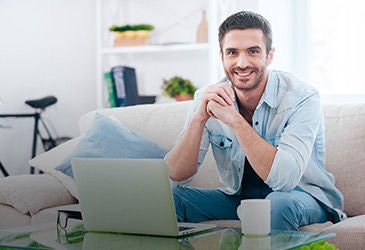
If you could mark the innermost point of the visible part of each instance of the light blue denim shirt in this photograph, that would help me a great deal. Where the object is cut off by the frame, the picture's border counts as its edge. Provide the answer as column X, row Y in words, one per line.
column 289, row 116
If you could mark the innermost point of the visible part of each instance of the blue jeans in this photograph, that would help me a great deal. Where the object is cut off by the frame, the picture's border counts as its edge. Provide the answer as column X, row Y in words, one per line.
column 289, row 210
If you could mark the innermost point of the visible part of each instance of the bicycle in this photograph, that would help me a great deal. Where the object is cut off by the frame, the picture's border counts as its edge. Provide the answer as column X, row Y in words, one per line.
column 48, row 141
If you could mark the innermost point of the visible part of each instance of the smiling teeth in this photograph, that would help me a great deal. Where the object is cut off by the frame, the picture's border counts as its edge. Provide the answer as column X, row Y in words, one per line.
column 244, row 74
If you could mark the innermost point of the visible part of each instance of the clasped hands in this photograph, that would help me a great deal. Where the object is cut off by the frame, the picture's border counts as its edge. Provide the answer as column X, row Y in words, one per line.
column 217, row 102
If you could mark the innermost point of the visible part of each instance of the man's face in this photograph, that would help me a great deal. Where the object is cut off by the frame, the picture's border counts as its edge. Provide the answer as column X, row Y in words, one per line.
column 244, row 58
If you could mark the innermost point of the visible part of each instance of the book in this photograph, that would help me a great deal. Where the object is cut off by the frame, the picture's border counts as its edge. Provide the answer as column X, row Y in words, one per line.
column 111, row 89
column 125, row 85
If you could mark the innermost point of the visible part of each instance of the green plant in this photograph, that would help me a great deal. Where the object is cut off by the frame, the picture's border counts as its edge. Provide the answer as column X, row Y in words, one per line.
column 131, row 27
column 178, row 86
column 319, row 245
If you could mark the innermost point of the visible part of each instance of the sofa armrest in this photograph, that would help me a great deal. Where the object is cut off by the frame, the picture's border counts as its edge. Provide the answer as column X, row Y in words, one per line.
column 30, row 193
column 10, row 217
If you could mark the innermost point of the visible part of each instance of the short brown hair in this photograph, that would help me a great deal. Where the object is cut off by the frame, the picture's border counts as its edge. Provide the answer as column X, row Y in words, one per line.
column 246, row 20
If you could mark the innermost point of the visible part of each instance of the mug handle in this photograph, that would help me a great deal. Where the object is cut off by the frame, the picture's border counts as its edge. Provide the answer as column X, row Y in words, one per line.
column 238, row 212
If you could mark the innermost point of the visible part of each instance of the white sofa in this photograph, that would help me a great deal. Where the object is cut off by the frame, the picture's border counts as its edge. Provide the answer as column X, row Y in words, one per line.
column 34, row 199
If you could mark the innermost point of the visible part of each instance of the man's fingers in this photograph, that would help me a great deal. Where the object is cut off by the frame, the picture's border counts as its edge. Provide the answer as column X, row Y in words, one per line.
column 229, row 90
column 218, row 94
column 209, row 110
column 224, row 91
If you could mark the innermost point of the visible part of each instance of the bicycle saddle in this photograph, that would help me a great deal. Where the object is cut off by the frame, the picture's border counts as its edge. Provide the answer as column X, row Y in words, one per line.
column 42, row 102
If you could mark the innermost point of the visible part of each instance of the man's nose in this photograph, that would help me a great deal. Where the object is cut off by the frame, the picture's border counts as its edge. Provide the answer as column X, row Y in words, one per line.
column 242, row 61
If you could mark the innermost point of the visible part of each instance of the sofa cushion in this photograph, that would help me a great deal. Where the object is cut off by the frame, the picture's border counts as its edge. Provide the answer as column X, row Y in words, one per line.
column 108, row 138
column 48, row 161
column 345, row 149
column 350, row 233
column 19, row 192
column 54, row 157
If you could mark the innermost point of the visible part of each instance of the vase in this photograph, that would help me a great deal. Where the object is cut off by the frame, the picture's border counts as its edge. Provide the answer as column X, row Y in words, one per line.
column 202, row 32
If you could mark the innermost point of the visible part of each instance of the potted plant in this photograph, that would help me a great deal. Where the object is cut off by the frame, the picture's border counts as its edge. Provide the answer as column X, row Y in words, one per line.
column 178, row 88
column 131, row 34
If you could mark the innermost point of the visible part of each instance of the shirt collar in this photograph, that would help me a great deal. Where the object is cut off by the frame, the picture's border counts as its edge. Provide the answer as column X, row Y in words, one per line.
column 271, row 90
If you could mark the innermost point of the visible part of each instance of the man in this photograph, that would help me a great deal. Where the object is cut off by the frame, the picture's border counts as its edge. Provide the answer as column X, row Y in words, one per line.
column 267, row 135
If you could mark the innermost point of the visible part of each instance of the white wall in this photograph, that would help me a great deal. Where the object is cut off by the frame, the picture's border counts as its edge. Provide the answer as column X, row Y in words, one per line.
column 282, row 16
column 46, row 48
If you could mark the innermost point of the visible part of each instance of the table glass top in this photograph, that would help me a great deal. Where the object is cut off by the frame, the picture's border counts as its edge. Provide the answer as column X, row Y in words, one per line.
column 219, row 238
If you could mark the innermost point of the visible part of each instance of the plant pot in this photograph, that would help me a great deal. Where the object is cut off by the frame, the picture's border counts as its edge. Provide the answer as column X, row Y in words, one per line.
column 183, row 97
column 131, row 38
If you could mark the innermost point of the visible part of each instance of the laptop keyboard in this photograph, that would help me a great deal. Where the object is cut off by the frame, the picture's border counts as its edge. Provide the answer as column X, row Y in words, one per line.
column 183, row 228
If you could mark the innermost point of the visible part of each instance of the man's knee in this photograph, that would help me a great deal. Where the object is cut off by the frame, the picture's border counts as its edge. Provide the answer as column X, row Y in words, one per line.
column 196, row 204
column 284, row 211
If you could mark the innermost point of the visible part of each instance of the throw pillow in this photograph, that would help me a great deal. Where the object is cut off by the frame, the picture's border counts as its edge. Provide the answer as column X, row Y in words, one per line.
column 108, row 138
column 32, row 193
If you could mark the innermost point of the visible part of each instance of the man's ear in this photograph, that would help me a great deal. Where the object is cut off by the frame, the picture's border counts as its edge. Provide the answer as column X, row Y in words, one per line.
column 221, row 54
column 270, row 56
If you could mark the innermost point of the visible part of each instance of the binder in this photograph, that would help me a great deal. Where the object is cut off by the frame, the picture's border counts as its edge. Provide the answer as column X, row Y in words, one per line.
column 111, row 89
column 125, row 85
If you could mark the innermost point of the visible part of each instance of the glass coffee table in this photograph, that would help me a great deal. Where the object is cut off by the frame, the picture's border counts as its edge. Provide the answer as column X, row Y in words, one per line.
column 218, row 238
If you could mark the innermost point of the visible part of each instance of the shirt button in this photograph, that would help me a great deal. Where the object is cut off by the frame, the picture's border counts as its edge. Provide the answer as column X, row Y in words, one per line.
column 221, row 144
column 256, row 123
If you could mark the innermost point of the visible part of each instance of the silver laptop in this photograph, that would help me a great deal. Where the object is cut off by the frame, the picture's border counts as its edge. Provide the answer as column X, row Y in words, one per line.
column 128, row 196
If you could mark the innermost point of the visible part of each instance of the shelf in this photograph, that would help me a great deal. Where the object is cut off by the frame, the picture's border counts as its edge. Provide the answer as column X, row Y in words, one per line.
column 198, row 62
column 155, row 48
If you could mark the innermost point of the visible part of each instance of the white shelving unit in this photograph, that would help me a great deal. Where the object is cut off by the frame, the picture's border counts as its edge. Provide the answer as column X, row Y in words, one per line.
column 155, row 48
column 198, row 62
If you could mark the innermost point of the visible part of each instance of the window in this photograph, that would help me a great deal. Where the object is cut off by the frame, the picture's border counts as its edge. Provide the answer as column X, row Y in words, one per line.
column 336, row 46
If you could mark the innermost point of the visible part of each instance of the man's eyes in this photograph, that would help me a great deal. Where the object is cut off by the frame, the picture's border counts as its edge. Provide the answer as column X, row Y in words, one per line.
column 250, row 52
column 254, row 51
column 231, row 52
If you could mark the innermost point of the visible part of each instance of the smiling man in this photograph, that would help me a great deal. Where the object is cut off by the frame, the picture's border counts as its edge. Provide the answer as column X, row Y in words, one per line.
column 266, row 131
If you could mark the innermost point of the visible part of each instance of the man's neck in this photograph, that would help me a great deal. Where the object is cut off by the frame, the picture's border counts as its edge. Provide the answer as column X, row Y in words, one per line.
column 247, row 105
column 248, row 100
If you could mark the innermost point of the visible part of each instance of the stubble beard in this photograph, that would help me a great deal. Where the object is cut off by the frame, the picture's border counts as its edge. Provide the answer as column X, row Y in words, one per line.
column 242, row 84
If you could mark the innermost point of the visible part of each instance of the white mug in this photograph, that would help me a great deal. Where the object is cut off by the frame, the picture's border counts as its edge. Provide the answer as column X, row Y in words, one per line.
column 255, row 216
column 255, row 243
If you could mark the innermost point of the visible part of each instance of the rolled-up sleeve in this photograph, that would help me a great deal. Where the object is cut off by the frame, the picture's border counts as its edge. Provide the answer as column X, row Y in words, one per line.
column 296, row 144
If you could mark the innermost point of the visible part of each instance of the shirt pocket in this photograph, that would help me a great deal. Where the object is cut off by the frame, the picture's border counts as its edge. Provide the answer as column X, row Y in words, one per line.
column 220, row 141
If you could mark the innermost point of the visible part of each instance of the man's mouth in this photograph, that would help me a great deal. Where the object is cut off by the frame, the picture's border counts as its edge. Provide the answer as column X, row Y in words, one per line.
column 244, row 73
